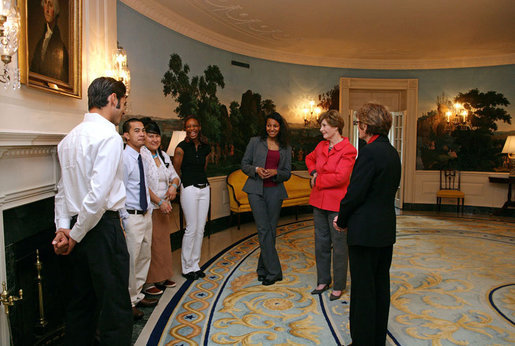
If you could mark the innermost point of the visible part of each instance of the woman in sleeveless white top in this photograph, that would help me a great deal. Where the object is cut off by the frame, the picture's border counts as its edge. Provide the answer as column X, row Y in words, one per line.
column 163, row 182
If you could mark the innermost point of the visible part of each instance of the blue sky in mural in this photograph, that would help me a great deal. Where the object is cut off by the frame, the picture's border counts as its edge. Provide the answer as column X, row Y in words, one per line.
column 149, row 46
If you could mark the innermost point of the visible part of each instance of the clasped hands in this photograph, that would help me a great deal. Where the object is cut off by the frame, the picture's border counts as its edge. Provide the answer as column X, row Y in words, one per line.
column 166, row 206
column 266, row 173
column 63, row 244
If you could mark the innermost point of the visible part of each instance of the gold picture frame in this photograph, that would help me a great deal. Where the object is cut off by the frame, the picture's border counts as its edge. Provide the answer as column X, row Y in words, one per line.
column 50, row 52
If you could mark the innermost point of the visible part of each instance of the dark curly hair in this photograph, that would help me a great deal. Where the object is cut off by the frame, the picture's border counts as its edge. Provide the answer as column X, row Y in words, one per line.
column 283, row 136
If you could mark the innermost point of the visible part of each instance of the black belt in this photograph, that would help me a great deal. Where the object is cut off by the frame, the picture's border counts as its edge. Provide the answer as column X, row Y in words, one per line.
column 111, row 214
column 201, row 186
column 137, row 212
column 108, row 214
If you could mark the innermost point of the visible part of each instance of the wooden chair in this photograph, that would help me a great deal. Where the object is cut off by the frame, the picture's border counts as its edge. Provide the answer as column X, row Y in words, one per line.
column 450, row 184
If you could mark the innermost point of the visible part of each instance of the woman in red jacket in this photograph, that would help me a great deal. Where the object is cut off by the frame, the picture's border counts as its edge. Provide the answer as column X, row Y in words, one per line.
column 330, row 166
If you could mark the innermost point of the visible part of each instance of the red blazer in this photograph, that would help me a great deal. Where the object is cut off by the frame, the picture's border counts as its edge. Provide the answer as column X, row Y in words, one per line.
column 333, row 173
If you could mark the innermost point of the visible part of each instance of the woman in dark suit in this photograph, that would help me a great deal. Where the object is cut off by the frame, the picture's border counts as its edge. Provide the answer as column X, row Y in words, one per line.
column 267, row 162
column 367, row 213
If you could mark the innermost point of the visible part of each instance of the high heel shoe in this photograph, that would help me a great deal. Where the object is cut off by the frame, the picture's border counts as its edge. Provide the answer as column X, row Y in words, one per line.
column 335, row 297
column 320, row 291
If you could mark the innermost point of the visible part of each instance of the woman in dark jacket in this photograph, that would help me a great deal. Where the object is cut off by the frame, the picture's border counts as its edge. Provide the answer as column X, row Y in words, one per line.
column 267, row 162
column 367, row 213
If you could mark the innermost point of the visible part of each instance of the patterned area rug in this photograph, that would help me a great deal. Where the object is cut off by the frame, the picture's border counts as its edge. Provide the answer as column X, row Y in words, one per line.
column 452, row 282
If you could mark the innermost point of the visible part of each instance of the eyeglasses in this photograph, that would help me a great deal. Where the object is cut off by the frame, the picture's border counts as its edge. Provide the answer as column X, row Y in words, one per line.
column 356, row 122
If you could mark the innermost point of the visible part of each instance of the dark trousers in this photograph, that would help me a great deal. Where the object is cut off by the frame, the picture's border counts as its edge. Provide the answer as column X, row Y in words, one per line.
column 98, row 281
column 370, row 294
column 328, row 241
column 266, row 209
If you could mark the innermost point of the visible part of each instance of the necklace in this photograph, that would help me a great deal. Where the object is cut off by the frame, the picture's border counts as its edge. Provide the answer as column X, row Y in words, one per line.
column 154, row 156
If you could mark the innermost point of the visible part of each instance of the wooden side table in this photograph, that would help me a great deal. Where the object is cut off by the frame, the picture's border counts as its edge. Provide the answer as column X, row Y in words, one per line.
column 505, row 180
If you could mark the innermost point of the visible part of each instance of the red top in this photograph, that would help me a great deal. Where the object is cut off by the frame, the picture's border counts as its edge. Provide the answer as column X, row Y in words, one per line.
column 333, row 173
column 373, row 138
column 272, row 162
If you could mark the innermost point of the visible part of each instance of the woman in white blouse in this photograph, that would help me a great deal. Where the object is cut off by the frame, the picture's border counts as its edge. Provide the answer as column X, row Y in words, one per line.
column 163, row 182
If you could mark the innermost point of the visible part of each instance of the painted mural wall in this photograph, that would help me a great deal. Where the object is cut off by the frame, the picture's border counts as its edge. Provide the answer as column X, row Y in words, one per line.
column 149, row 46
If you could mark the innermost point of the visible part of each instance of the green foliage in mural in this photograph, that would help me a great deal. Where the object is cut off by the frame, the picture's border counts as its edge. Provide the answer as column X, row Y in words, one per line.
column 228, row 131
column 471, row 148
column 196, row 95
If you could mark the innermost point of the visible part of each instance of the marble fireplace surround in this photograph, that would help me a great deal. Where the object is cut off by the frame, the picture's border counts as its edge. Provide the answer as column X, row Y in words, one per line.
column 29, row 172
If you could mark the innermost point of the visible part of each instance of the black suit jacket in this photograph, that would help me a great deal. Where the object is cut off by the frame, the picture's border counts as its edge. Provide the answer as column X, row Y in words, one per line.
column 368, row 208
column 55, row 62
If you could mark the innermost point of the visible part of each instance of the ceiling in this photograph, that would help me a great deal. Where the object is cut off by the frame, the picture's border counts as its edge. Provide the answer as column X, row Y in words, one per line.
column 371, row 34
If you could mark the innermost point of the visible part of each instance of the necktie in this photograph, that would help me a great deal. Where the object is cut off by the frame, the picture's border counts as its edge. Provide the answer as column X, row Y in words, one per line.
column 142, row 188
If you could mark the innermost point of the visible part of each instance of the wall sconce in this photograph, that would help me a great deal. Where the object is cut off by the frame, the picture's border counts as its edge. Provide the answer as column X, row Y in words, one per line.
column 120, row 68
column 311, row 114
column 509, row 148
column 177, row 137
column 457, row 117
column 9, row 29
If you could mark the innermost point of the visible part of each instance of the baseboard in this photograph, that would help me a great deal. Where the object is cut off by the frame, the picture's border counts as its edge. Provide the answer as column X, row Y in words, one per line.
column 472, row 210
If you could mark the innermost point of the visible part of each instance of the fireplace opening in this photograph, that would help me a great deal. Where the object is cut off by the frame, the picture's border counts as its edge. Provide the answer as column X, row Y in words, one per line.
column 27, row 229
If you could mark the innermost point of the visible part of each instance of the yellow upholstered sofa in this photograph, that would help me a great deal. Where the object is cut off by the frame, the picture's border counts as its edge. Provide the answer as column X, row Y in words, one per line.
column 297, row 187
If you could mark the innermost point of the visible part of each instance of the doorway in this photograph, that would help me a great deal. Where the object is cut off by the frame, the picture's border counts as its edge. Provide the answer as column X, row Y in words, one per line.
column 399, row 96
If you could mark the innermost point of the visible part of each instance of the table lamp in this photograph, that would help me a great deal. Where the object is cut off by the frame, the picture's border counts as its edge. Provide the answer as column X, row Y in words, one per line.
column 177, row 137
column 509, row 148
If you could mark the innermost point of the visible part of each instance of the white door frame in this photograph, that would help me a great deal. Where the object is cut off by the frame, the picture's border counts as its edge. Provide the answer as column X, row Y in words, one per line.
column 410, row 119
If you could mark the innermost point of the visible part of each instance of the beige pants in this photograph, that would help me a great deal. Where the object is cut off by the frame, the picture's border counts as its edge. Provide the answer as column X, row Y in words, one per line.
column 138, row 229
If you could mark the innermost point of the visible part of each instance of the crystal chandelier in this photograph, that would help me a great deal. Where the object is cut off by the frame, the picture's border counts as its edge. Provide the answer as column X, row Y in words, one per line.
column 120, row 69
column 9, row 29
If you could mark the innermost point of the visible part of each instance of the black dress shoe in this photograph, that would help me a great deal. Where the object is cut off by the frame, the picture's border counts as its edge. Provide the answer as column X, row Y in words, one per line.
column 320, row 291
column 261, row 277
column 200, row 274
column 137, row 314
column 191, row 276
column 267, row 282
column 147, row 302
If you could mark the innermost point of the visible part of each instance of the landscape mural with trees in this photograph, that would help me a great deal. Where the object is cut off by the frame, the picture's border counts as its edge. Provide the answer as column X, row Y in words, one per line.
column 476, row 147
column 228, row 130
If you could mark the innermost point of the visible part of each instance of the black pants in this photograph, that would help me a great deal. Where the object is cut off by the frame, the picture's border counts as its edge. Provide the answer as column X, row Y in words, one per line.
column 97, row 287
column 370, row 294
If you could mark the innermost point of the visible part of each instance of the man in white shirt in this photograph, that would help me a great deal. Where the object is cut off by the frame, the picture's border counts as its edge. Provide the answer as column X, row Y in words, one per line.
column 137, row 215
column 90, row 195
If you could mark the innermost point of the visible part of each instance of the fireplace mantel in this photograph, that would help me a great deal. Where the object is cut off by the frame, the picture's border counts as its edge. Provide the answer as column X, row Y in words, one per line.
column 29, row 171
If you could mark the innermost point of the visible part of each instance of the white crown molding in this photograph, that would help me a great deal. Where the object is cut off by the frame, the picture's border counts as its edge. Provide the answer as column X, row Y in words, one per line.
column 166, row 17
column 22, row 138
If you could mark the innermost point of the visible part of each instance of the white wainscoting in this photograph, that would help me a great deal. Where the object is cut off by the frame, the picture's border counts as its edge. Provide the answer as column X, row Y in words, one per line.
column 478, row 190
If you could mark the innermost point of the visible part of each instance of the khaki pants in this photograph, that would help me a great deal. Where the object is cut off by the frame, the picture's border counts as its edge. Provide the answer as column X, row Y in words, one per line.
column 138, row 229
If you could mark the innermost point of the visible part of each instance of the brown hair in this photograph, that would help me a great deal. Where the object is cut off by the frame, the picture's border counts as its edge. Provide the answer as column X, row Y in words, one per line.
column 377, row 118
column 333, row 118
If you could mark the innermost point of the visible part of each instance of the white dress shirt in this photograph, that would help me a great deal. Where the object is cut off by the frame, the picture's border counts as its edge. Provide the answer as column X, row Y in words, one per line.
column 91, row 175
column 131, row 179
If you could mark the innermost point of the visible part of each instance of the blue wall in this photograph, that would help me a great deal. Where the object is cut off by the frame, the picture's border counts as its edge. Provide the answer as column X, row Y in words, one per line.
column 149, row 46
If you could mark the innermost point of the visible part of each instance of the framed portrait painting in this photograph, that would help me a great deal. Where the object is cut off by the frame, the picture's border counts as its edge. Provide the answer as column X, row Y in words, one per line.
column 50, row 45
